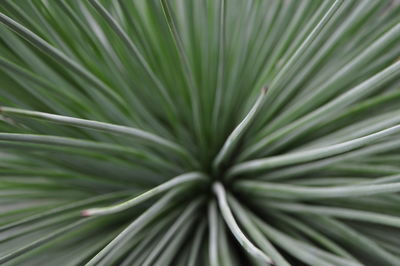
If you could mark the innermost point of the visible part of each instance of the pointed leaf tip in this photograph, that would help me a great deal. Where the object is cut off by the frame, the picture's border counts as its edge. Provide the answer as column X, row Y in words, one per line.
column 85, row 213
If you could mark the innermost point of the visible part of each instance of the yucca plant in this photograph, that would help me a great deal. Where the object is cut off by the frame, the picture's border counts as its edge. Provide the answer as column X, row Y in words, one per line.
column 210, row 132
